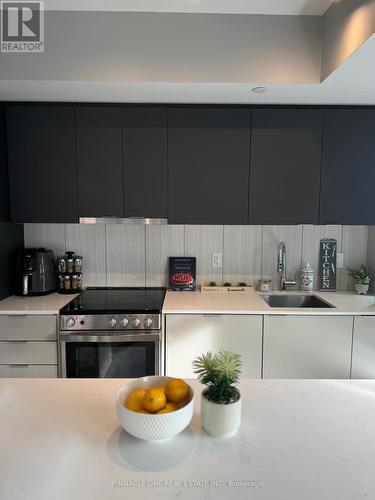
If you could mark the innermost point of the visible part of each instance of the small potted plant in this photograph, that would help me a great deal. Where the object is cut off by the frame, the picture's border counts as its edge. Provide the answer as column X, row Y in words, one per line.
column 361, row 278
column 221, row 400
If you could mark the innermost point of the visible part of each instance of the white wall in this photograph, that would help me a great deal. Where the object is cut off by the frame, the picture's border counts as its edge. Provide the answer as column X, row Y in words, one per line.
column 166, row 47
column 137, row 255
column 346, row 26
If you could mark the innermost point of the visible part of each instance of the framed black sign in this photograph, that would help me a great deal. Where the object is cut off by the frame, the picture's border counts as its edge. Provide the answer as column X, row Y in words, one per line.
column 327, row 265
column 182, row 274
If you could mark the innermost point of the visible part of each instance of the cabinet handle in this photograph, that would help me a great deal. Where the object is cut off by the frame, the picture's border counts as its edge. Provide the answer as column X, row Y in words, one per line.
column 16, row 341
column 14, row 315
column 19, row 365
column 212, row 315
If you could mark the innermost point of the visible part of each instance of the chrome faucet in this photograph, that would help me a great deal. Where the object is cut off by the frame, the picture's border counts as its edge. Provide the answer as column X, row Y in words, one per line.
column 281, row 267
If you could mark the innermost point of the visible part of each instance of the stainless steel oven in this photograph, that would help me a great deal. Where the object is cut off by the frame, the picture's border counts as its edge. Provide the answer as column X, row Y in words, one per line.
column 115, row 346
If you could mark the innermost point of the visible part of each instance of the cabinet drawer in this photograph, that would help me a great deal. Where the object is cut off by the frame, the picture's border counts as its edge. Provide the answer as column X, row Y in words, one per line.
column 307, row 347
column 27, row 328
column 31, row 353
column 189, row 336
column 28, row 371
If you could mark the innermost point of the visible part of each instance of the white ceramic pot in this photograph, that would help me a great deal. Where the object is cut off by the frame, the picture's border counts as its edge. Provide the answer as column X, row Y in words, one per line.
column 361, row 289
column 220, row 420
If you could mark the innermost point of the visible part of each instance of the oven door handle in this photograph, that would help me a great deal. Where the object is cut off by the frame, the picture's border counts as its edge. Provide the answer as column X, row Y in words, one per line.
column 147, row 337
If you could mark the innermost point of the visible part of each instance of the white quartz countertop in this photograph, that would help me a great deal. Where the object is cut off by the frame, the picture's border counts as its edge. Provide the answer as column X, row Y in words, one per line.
column 299, row 439
column 43, row 305
column 345, row 303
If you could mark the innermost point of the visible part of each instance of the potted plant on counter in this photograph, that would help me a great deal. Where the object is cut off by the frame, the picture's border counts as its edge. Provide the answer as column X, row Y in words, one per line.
column 221, row 400
column 361, row 278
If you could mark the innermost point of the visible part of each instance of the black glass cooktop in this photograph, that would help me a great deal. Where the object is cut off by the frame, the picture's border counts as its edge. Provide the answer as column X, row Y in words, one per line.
column 116, row 301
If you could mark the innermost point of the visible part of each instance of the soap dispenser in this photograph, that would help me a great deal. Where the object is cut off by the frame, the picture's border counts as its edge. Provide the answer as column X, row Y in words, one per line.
column 307, row 278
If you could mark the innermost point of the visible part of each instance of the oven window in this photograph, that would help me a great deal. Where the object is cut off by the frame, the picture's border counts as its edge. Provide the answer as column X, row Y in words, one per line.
column 110, row 360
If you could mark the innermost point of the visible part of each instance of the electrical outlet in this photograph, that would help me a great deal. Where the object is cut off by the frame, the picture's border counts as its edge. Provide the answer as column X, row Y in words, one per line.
column 217, row 260
column 340, row 260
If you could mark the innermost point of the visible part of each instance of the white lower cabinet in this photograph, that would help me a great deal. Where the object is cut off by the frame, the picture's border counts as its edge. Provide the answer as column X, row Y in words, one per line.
column 28, row 346
column 363, row 363
column 188, row 336
column 307, row 347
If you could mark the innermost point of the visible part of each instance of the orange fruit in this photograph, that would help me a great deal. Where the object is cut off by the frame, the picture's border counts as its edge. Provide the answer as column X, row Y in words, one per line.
column 177, row 390
column 154, row 399
column 134, row 401
column 168, row 408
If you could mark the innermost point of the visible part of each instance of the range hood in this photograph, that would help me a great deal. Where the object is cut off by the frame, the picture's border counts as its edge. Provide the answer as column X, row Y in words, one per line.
column 119, row 220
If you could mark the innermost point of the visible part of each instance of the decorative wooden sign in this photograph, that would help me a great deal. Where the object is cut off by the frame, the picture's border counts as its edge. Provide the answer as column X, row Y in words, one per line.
column 327, row 265
column 182, row 274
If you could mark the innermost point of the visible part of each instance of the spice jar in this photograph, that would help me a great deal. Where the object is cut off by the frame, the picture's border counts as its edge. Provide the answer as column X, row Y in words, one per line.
column 79, row 281
column 61, row 265
column 67, row 282
column 77, row 264
column 60, row 281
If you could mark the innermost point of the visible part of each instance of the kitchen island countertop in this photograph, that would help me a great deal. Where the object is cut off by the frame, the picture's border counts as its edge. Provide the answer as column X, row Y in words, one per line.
column 299, row 439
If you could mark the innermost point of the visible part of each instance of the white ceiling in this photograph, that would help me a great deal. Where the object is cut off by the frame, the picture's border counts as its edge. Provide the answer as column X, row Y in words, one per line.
column 352, row 83
column 276, row 7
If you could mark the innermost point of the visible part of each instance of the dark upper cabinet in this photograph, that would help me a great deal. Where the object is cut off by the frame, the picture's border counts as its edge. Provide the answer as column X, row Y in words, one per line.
column 285, row 166
column 348, row 168
column 208, row 165
column 42, row 164
column 99, row 162
column 145, row 162
column 4, row 187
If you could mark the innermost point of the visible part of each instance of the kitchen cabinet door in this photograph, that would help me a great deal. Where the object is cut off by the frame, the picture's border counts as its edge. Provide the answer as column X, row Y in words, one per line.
column 363, row 362
column 307, row 347
column 145, row 162
column 42, row 163
column 348, row 173
column 99, row 162
column 189, row 336
column 285, row 166
column 208, row 165
column 4, row 187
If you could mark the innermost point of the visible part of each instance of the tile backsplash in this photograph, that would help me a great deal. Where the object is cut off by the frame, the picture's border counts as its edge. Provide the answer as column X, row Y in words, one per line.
column 137, row 255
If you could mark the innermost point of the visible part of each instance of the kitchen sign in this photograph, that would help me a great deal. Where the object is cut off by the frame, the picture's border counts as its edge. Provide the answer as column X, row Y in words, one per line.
column 327, row 265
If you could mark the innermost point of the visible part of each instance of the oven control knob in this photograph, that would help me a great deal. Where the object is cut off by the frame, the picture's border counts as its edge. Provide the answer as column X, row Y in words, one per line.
column 136, row 322
column 70, row 322
column 147, row 322
column 124, row 322
column 112, row 322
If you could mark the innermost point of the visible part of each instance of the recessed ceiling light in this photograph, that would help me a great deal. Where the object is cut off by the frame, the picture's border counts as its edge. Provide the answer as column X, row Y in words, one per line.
column 259, row 90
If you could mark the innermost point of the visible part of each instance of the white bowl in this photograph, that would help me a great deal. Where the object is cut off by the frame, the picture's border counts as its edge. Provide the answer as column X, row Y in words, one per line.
column 152, row 427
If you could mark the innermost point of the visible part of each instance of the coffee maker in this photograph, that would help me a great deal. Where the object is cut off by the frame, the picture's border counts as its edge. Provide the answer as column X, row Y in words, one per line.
column 34, row 272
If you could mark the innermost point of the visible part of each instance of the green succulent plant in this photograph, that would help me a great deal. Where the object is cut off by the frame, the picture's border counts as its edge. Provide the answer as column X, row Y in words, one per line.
column 360, row 274
column 219, row 372
column 227, row 283
column 212, row 283
column 242, row 283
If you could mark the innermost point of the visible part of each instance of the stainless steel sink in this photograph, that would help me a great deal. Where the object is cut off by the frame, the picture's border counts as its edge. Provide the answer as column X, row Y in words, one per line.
column 295, row 300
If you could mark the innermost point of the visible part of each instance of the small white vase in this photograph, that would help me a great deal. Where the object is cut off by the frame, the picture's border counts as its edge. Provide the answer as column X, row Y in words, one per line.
column 361, row 289
column 220, row 420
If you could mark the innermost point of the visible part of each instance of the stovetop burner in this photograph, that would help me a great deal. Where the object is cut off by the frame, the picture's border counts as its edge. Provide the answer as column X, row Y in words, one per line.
column 117, row 301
